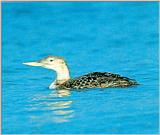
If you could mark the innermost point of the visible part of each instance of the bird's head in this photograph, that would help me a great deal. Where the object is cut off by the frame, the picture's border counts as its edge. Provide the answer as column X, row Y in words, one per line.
column 50, row 62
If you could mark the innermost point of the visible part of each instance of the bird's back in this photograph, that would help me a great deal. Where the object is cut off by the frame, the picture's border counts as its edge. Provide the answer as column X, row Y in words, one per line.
column 98, row 80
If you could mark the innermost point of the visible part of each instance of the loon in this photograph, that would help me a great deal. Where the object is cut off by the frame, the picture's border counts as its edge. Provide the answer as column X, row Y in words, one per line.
column 90, row 80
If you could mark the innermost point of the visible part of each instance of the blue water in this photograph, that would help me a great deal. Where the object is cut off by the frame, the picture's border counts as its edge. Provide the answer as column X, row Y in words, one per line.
column 118, row 37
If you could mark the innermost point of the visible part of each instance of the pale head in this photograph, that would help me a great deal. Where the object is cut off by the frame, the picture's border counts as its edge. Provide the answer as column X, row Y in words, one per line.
column 54, row 63
column 50, row 62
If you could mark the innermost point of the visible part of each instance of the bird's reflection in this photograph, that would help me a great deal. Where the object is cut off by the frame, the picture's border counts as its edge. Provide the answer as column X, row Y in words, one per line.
column 60, row 93
column 55, row 107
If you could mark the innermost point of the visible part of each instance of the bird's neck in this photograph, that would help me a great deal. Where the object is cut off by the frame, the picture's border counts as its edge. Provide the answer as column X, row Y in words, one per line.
column 63, row 73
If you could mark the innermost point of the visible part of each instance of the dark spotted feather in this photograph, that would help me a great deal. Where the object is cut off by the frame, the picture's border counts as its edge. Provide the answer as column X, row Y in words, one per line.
column 98, row 80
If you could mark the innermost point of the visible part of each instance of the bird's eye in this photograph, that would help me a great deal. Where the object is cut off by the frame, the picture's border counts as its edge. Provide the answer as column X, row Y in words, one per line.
column 51, row 60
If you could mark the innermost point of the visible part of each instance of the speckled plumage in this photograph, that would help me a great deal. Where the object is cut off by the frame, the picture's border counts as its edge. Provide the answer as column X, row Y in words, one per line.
column 97, row 80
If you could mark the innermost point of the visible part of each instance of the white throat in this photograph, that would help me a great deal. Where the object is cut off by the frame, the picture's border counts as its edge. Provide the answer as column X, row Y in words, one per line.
column 62, row 75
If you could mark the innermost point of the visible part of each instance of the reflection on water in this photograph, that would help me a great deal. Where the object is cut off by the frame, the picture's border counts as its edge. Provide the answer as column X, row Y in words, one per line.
column 60, row 93
column 57, row 111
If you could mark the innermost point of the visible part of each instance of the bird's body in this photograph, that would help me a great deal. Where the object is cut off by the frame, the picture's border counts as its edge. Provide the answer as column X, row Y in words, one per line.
column 91, row 80
column 97, row 80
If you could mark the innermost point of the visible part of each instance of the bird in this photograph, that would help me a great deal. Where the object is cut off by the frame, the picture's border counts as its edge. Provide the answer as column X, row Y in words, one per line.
column 90, row 80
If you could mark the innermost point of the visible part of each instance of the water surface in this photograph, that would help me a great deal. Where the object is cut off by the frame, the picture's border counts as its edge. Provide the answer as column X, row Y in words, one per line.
column 118, row 37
